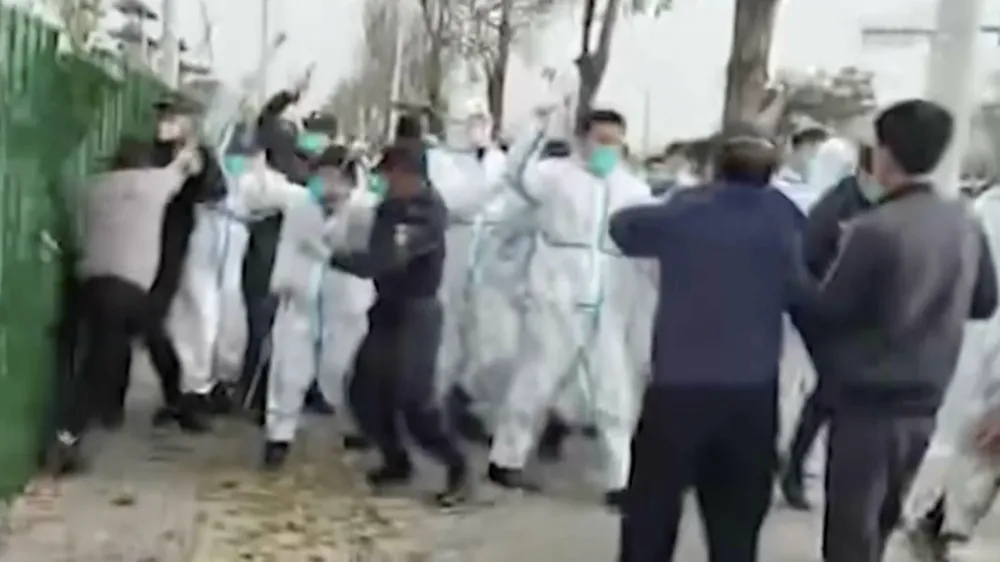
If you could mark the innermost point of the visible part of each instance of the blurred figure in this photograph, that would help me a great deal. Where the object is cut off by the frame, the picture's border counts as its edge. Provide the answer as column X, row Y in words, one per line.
column 579, row 296
column 308, row 238
column 122, row 224
column 182, row 253
column 911, row 271
column 848, row 197
column 709, row 418
column 794, row 178
column 395, row 368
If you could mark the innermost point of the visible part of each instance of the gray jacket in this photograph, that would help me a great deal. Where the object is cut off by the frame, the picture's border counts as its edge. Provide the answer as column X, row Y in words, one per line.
column 122, row 221
column 907, row 276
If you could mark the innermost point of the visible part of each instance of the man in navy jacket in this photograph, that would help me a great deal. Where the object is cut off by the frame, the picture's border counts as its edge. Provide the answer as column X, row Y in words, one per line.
column 729, row 255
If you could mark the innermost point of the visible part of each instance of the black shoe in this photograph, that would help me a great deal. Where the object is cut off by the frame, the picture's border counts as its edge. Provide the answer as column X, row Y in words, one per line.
column 924, row 545
column 614, row 499
column 63, row 457
column 793, row 490
column 190, row 415
column 275, row 454
column 510, row 478
column 112, row 420
column 390, row 474
column 221, row 400
column 357, row 442
column 457, row 490
column 315, row 402
column 550, row 445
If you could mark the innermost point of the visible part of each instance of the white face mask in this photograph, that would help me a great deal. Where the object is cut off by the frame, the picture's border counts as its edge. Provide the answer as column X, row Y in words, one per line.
column 168, row 130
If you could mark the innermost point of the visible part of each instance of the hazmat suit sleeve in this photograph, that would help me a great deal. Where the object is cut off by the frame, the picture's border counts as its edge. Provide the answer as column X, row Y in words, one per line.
column 267, row 192
column 402, row 232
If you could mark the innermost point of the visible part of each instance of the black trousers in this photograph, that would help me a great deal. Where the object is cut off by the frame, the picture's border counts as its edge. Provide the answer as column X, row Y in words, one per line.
column 114, row 313
column 261, row 309
column 872, row 458
column 393, row 385
column 815, row 413
column 721, row 442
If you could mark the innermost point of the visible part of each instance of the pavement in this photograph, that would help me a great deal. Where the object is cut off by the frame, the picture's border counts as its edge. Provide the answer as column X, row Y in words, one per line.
column 159, row 496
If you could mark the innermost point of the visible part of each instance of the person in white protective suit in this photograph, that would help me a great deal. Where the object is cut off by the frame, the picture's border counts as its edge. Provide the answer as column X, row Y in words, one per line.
column 481, row 166
column 973, row 476
column 580, row 292
column 313, row 228
column 793, row 177
column 213, row 263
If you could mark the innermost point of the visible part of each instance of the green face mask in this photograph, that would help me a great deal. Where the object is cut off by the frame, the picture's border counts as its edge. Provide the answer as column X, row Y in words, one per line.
column 870, row 189
column 313, row 143
column 377, row 185
column 235, row 165
column 315, row 187
column 602, row 161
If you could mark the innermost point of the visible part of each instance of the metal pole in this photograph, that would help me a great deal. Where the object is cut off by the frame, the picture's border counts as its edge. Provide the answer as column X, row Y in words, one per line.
column 170, row 60
column 397, row 75
column 265, row 47
column 951, row 79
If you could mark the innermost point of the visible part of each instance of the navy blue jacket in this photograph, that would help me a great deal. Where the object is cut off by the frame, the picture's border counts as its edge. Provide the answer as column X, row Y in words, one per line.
column 730, row 267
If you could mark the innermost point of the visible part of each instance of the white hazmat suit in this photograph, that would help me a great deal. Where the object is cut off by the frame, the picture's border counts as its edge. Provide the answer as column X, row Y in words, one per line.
column 580, row 292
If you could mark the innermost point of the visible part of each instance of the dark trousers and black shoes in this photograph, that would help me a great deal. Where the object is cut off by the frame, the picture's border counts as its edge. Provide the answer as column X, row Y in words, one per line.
column 872, row 458
column 718, row 441
column 814, row 415
column 394, row 387
column 114, row 313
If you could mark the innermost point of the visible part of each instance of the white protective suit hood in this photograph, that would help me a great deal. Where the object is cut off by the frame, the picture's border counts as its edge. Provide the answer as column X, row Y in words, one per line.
column 834, row 160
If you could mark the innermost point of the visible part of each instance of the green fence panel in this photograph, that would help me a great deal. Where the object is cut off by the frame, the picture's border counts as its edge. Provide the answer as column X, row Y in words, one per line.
column 59, row 115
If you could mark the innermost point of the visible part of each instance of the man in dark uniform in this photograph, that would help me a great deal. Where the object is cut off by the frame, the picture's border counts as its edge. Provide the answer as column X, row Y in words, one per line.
column 394, row 373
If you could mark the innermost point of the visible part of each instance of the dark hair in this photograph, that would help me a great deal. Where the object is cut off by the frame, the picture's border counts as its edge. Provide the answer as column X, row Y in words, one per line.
column 556, row 148
column 409, row 127
column 811, row 135
column 601, row 116
column 402, row 158
column 865, row 158
column 321, row 123
column 130, row 154
column 676, row 148
column 916, row 133
column 744, row 154
column 337, row 156
column 700, row 153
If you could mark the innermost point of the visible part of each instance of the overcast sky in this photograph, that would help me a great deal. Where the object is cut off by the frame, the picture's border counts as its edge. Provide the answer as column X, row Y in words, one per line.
column 679, row 59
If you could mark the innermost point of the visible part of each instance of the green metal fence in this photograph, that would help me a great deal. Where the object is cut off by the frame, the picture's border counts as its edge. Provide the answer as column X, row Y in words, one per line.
column 58, row 115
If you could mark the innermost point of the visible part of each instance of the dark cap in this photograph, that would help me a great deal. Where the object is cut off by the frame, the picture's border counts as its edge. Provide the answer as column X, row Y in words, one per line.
column 401, row 158
column 335, row 156
column 176, row 104
column 321, row 123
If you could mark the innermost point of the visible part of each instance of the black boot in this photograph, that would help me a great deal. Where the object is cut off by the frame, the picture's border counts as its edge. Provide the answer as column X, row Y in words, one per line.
column 510, row 478
column 190, row 414
column 275, row 455
column 63, row 457
column 614, row 499
column 112, row 419
column 392, row 473
column 221, row 400
column 456, row 490
column 550, row 444
column 356, row 442
column 315, row 402
column 793, row 489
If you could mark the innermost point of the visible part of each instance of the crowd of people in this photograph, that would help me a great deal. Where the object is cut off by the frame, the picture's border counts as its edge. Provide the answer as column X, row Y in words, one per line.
column 512, row 296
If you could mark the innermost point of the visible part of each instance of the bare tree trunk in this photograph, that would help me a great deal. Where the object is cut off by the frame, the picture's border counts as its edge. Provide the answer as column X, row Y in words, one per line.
column 497, row 73
column 746, row 73
column 593, row 64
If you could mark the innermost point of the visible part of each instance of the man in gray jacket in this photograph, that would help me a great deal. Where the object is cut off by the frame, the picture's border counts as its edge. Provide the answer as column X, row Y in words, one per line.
column 894, row 302
column 121, row 226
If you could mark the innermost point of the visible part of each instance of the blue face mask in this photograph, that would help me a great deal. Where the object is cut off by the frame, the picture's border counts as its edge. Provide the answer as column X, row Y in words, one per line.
column 315, row 187
column 602, row 161
column 235, row 165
